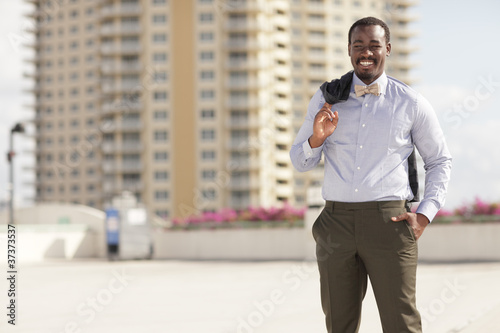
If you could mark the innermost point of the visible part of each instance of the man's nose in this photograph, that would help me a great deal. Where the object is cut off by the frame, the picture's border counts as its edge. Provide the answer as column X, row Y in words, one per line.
column 366, row 52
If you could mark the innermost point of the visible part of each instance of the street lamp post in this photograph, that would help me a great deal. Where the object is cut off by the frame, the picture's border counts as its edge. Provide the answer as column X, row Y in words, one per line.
column 18, row 128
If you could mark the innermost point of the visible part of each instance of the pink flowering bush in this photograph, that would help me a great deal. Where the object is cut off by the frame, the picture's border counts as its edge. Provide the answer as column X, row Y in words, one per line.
column 250, row 217
column 478, row 211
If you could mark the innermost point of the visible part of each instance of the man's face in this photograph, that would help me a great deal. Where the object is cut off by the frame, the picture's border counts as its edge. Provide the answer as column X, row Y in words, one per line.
column 368, row 50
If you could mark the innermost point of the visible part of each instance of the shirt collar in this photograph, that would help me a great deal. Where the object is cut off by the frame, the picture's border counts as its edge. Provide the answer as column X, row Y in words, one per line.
column 382, row 81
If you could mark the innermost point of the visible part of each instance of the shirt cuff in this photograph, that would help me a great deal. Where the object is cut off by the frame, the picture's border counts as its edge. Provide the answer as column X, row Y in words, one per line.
column 311, row 152
column 428, row 209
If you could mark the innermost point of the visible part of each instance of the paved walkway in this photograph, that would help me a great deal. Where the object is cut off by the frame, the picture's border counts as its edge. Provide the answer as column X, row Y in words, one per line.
column 228, row 297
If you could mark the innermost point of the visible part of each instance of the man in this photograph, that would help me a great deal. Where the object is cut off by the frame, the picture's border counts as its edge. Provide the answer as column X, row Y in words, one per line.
column 366, row 227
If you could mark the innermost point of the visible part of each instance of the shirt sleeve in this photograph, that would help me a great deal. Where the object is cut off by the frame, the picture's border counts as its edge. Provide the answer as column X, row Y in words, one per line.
column 429, row 139
column 303, row 157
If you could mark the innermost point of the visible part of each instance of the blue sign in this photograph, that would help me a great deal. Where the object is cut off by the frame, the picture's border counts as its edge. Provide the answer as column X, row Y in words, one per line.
column 112, row 226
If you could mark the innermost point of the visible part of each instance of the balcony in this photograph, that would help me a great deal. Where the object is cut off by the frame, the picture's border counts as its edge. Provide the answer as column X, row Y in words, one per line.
column 121, row 106
column 284, row 191
column 284, row 173
column 283, row 121
column 123, row 10
column 124, row 29
column 242, row 184
column 112, row 166
column 243, row 123
column 282, row 104
column 244, row 84
column 282, row 156
column 125, row 48
column 316, row 24
column 402, row 16
column 316, row 40
column 125, row 147
column 244, row 164
column 246, row 44
column 239, row 144
column 245, row 103
column 125, row 126
column 252, row 64
column 283, row 137
column 243, row 6
column 244, row 25
column 128, row 185
column 317, row 56
column 124, row 87
column 318, row 8
column 120, row 68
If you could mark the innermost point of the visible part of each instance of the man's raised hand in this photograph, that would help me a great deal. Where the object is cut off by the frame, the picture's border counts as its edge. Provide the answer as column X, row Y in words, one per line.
column 325, row 123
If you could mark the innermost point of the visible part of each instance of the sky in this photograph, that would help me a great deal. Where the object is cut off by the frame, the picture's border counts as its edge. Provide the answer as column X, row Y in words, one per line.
column 456, row 72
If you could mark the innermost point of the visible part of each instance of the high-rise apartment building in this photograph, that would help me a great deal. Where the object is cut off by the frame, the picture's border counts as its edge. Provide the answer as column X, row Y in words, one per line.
column 191, row 105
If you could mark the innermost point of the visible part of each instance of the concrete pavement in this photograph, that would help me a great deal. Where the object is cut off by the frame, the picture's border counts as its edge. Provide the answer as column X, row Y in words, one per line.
column 228, row 297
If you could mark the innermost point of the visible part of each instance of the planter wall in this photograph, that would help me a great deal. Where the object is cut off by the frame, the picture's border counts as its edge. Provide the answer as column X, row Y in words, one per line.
column 460, row 242
column 237, row 244
column 440, row 242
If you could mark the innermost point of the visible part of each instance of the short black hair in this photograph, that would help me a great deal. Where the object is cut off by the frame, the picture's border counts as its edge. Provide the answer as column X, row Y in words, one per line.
column 371, row 21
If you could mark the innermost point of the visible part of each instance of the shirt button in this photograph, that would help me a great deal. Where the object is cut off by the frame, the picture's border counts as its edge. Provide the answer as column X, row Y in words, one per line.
column 356, row 190
column 359, row 168
column 363, row 125
column 361, row 147
column 366, row 104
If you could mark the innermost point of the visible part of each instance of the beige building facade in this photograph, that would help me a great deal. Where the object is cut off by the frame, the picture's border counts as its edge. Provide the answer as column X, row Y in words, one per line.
column 191, row 105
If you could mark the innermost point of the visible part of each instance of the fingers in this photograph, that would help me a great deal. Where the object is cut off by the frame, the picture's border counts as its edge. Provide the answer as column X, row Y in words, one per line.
column 400, row 217
column 326, row 112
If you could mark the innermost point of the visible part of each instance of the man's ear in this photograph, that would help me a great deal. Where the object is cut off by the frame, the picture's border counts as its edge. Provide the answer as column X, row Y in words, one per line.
column 388, row 49
column 349, row 49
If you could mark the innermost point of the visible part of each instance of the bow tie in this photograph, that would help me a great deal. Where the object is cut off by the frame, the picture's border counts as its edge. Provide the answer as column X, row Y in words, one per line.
column 361, row 90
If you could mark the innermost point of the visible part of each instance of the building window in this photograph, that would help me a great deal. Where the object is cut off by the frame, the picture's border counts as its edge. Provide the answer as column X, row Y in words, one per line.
column 206, row 36
column 160, row 95
column 75, row 188
column 161, row 195
column 161, row 136
column 209, row 194
column 159, row 19
column 160, row 115
column 208, row 175
column 206, row 56
column 208, row 135
column 207, row 75
column 161, row 156
column 159, row 2
column 208, row 155
column 163, row 213
column 160, row 57
column 207, row 114
column 206, row 17
column 159, row 38
column 161, row 176
column 160, row 77
column 207, row 94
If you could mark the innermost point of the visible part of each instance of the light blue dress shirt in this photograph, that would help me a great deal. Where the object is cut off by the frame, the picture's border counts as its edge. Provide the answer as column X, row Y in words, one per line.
column 366, row 156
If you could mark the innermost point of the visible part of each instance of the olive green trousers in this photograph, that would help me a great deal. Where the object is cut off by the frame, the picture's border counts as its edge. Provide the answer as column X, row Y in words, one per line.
column 359, row 240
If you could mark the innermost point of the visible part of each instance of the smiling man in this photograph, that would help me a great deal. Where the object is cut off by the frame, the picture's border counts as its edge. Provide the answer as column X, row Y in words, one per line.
column 367, row 228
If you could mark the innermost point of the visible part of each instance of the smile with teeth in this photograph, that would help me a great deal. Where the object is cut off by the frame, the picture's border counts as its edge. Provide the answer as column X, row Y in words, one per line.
column 366, row 63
